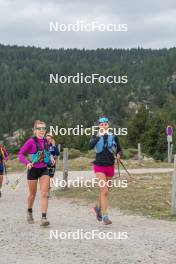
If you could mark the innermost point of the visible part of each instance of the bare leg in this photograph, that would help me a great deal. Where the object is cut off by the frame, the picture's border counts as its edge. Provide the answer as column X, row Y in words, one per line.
column 1, row 181
column 103, row 199
column 32, row 184
column 44, row 187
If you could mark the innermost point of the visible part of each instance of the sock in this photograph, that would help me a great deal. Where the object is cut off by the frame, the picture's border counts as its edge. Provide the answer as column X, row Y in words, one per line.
column 44, row 215
column 30, row 210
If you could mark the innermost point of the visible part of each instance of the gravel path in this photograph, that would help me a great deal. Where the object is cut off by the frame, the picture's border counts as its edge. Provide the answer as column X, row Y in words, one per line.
column 149, row 241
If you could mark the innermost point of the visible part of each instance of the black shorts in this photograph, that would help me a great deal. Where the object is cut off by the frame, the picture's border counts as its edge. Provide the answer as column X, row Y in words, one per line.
column 51, row 170
column 36, row 173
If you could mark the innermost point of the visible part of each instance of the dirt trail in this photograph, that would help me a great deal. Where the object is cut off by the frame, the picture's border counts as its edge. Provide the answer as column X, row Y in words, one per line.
column 149, row 241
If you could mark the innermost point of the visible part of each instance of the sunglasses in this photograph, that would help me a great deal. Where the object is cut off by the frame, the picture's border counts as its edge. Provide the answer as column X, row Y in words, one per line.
column 103, row 124
column 41, row 128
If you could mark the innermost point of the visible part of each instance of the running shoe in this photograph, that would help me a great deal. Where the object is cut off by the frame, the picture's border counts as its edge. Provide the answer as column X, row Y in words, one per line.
column 106, row 220
column 30, row 218
column 44, row 222
column 97, row 211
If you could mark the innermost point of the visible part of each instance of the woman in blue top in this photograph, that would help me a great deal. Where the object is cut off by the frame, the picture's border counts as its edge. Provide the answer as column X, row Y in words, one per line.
column 107, row 149
column 54, row 152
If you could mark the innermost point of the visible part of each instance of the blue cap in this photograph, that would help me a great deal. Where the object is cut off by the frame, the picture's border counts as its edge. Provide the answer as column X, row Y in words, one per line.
column 103, row 120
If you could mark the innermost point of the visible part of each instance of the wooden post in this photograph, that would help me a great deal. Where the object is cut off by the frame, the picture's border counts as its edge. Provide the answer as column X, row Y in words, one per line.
column 173, row 200
column 65, row 167
column 139, row 152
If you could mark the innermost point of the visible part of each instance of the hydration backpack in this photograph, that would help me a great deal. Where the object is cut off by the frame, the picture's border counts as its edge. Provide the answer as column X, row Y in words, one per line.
column 111, row 144
column 41, row 155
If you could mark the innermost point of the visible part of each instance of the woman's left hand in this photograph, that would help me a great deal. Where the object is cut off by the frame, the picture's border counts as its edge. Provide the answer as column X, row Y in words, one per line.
column 53, row 160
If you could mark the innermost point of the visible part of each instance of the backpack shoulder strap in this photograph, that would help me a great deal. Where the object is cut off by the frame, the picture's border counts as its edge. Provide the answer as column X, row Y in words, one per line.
column 105, row 142
column 39, row 148
column 46, row 146
column 112, row 136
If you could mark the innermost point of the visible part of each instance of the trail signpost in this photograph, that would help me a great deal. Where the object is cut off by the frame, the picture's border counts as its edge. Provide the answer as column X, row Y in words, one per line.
column 169, row 141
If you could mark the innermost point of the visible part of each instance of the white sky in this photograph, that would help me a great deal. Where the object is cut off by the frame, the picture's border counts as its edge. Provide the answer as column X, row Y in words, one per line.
column 152, row 24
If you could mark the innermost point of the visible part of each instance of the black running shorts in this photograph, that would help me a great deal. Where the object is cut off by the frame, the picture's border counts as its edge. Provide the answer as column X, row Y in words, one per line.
column 36, row 173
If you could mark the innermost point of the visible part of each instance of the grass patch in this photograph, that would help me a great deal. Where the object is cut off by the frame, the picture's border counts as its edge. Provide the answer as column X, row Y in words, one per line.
column 83, row 162
column 148, row 195
column 133, row 164
column 14, row 165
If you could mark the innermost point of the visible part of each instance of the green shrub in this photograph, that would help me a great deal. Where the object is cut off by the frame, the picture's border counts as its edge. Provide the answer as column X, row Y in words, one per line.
column 74, row 153
column 129, row 153
column 90, row 154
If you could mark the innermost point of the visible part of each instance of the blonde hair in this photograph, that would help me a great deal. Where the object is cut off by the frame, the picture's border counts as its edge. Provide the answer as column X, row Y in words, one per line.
column 38, row 122
column 52, row 138
column 49, row 135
